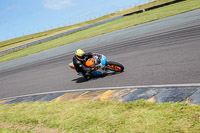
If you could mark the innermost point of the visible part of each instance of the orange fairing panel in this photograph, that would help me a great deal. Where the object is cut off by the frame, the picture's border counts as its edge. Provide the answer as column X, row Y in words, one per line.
column 90, row 62
column 71, row 65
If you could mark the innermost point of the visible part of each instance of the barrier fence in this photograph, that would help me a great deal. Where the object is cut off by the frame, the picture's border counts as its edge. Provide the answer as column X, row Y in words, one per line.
column 82, row 28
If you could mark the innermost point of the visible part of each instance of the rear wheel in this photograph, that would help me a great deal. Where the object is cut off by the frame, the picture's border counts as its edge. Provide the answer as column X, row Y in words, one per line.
column 117, row 67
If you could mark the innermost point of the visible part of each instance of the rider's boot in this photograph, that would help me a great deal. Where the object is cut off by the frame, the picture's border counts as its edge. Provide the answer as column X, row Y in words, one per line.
column 87, row 76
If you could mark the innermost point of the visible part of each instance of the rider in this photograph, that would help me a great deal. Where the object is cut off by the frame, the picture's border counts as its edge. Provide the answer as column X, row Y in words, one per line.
column 79, row 62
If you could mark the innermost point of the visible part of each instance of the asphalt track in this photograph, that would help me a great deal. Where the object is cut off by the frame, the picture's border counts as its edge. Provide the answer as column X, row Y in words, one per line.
column 167, row 56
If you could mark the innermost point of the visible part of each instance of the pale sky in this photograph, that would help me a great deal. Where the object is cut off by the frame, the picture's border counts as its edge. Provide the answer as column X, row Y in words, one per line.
column 23, row 17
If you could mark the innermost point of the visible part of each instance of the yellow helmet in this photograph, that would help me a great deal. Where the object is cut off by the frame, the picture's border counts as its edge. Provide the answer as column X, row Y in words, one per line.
column 79, row 52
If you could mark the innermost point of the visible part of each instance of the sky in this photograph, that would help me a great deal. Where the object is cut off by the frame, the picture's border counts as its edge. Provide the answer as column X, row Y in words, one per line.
column 24, row 17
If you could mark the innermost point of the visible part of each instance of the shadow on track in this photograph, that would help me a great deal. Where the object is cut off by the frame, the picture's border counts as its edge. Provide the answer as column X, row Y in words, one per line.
column 82, row 79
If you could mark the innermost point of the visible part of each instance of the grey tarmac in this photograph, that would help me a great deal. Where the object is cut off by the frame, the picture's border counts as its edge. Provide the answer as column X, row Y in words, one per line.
column 162, row 52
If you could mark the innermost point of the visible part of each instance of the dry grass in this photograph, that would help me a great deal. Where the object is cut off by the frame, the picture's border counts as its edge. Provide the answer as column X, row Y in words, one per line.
column 104, row 116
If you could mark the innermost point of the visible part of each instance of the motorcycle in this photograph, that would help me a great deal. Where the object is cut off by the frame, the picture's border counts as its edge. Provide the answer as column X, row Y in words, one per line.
column 103, row 67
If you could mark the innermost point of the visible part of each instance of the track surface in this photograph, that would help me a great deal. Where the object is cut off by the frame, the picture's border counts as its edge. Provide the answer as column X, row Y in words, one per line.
column 168, row 56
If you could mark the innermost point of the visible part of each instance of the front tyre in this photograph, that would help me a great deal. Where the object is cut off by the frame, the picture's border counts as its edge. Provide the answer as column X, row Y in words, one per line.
column 117, row 67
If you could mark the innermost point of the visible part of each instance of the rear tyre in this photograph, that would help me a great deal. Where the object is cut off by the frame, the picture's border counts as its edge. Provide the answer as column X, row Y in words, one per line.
column 117, row 66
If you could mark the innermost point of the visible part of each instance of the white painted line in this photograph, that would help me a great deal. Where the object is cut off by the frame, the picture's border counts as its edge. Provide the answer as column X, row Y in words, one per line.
column 110, row 88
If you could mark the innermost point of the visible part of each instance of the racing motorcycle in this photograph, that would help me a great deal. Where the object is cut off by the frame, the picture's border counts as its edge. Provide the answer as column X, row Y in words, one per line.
column 103, row 67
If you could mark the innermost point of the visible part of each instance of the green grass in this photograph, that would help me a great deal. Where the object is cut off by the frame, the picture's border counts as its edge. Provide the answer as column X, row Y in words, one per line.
column 8, row 130
column 108, row 27
column 101, row 116
column 33, row 37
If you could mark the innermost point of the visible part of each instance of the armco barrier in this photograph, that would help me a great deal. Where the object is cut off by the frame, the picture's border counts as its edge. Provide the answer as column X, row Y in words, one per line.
column 83, row 28
column 154, row 7
column 58, row 35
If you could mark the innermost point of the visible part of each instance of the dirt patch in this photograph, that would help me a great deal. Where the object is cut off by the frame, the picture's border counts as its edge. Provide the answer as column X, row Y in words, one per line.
column 16, row 127
column 37, row 129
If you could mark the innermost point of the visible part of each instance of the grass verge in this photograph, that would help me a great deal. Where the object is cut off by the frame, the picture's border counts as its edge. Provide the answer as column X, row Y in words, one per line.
column 100, row 116
column 33, row 37
column 125, row 22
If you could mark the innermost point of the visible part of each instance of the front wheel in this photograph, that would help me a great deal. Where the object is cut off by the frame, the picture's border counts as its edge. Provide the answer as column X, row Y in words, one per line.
column 115, row 66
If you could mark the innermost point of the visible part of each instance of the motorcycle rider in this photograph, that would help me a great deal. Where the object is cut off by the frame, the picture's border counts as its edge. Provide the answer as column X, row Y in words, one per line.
column 79, row 60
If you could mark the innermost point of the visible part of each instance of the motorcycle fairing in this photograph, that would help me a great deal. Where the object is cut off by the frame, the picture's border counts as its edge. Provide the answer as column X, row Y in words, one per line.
column 103, row 60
